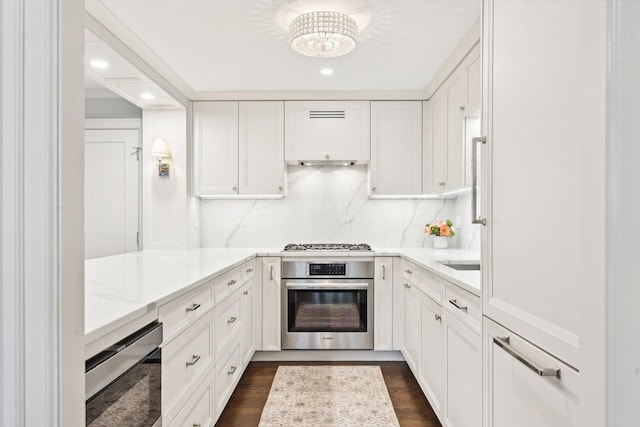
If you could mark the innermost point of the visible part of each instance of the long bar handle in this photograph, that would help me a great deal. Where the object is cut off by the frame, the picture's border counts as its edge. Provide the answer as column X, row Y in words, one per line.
column 503, row 342
column 384, row 272
column 474, row 180
column 271, row 269
column 232, row 282
column 232, row 370
column 194, row 360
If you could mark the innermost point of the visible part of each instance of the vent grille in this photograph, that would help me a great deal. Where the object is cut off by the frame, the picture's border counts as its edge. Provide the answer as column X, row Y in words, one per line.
column 327, row 114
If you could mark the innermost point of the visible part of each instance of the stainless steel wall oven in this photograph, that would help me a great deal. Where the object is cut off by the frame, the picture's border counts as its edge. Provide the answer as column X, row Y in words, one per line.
column 327, row 303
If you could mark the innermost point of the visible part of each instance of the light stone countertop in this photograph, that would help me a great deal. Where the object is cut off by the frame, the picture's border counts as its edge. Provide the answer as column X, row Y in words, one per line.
column 122, row 288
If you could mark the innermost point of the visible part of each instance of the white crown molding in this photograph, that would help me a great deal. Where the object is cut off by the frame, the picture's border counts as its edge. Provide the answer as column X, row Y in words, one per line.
column 308, row 95
column 462, row 49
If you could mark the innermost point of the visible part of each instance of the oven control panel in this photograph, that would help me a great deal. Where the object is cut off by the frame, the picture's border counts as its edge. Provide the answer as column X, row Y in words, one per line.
column 327, row 269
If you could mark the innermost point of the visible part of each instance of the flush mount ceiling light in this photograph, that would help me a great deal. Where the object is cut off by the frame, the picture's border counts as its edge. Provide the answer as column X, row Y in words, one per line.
column 323, row 34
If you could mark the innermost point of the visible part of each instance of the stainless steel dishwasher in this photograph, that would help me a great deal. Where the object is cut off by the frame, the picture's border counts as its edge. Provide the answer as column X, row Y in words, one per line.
column 123, row 382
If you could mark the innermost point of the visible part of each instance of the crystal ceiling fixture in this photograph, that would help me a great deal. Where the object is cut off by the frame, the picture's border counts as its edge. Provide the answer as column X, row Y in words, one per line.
column 323, row 34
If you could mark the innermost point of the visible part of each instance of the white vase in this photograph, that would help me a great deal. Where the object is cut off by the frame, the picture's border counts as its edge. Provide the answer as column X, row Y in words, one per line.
column 440, row 242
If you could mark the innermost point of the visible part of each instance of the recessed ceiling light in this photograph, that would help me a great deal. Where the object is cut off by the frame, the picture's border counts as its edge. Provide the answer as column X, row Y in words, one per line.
column 98, row 63
column 326, row 71
column 147, row 96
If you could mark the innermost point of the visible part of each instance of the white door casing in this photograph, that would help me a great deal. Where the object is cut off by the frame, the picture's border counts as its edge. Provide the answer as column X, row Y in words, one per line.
column 112, row 192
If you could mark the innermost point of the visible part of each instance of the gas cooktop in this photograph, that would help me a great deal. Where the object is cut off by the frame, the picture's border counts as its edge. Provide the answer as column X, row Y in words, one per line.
column 327, row 247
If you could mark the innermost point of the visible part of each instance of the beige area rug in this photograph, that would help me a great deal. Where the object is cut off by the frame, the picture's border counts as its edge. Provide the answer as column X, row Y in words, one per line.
column 328, row 396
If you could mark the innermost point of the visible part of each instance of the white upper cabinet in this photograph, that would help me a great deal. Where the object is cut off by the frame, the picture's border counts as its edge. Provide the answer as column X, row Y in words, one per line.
column 215, row 147
column 450, row 120
column 262, row 167
column 327, row 131
column 238, row 148
column 396, row 148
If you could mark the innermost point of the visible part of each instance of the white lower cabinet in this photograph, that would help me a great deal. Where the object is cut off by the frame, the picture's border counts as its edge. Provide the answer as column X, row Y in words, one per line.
column 432, row 360
column 517, row 393
column 411, row 343
column 228, row 371
column 442, row 347
column 271, row 302
column 199, row 409
column 463, row 375
column 246, row 317
column 383, row 304
column 202, row 364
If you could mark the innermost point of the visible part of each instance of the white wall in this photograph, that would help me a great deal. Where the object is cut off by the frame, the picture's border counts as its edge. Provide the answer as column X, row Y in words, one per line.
column 324, row 204
column 169, row 213
column 110, row 108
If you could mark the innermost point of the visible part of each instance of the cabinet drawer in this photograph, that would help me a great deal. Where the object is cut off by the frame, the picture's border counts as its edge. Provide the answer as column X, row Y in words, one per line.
column 464, row 306
column 179, row 313
column 431, row 285
column 226, row 324
column 228, row 370
column 185, row 361
column 199, row 409
column 410, row 272
column 229, row 282
column 249, row 270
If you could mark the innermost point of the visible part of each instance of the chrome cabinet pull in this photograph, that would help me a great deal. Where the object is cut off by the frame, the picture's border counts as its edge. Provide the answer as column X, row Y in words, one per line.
column 503, row 342
column 271, row 269
column 232, row 370
column 245, row 293
column 194, row 360
column 231, row 282
column 406, row 285
column 197, row 425
column 474, row 179
column 454, row 302
column 374, row 189
column 438, row 318
column 231, row 320
column 193, row 307
column 235, row 188
column 384, row 272
column 408, row 271
column 249, row 270
column 461, row 108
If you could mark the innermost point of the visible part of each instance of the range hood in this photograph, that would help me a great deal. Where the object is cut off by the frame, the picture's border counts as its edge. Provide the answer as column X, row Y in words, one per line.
column 326, row 162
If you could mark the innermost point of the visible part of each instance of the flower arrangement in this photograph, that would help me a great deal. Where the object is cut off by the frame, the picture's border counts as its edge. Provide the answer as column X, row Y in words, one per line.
column 440, row 228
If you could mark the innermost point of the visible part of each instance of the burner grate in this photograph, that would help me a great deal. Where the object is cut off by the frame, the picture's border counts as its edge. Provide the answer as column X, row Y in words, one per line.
column 327, row 247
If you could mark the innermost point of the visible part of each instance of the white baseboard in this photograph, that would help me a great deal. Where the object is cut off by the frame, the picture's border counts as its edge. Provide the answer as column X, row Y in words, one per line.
column 327, row 356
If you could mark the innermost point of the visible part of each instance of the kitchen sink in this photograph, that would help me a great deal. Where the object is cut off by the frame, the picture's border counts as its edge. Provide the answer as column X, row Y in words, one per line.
column 464, row 266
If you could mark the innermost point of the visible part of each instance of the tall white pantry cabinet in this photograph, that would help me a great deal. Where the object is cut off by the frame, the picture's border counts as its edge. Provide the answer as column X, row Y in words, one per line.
column 543, row 199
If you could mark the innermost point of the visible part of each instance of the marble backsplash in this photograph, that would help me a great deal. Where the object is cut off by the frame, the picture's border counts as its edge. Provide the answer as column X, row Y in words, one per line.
column 324, row 204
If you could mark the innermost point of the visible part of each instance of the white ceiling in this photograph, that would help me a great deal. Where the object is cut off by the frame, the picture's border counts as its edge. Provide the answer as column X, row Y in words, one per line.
column 242, row 45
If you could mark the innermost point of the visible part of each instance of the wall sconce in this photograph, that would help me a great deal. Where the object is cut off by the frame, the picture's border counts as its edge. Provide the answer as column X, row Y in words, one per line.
column 160, row 149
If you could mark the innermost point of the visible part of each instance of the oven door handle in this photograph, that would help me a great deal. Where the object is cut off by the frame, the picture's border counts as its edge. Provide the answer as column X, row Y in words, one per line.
column 343, row 286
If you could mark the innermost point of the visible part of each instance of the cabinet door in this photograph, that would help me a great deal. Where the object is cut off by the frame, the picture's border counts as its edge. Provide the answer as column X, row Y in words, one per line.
column 396, row 148
column 271, row 302
column 472, row 66
column 411, row 345
column 463, row 375
column 383, row 301
column 327, row 130
column 261, row 168
column 435, row 143
column 518, row 396
column 546, row 154
column 215, row 148
column 246, row 325
column 432, row 361
column 455, row 157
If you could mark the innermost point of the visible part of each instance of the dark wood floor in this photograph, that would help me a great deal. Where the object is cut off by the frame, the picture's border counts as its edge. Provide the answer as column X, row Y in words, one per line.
column 246, row 403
